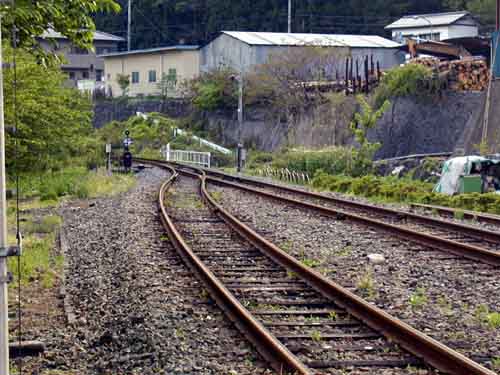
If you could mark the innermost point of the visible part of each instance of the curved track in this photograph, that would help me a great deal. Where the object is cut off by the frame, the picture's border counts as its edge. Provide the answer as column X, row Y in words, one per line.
column 298, row 299
column 459, row 239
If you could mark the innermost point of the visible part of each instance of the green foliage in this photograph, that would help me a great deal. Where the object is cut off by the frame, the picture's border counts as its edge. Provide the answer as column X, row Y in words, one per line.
column 73, row 19
column 393, row 189
column 485, row 9
column 493, row 320
column 333, row 160
column 407, row 80
column 207, row 18
column 366, row 284
column 214, row 90
column 363, row 121
column 418, row 299
column 166, row 84
column 54, row 122
column 123, row 81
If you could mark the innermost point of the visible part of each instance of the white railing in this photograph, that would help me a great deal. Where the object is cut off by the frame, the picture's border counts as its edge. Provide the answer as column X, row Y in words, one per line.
column 184, row 156
column 202, row 141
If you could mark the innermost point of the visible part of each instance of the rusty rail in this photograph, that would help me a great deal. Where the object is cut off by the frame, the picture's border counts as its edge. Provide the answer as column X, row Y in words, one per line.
column 465, row 250
column 280, row 358
column 469, row 215
column 417, row 343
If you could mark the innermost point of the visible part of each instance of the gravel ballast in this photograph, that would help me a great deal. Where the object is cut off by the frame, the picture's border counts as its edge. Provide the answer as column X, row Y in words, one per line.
column 447, row 298
column 137, row 308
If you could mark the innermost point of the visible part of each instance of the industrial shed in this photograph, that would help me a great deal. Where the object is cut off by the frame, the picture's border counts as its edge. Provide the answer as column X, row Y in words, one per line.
column 244, row 50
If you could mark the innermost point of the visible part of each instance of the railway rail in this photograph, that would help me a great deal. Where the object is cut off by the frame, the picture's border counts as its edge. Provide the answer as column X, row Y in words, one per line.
column 275, row 300
column 459, row 239
column 454, row 212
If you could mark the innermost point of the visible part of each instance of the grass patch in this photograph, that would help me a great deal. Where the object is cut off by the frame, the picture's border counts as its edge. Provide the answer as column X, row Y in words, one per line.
column 366, row 285
column 46, row 224
column 418, row 299
column 37, row 264
column 405, row 190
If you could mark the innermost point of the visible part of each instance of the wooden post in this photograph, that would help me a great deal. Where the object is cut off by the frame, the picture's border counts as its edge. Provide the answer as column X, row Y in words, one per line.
column 351, row 73
column 372, row 65
column 367, row 82
column 379, row 74
column 346, row 76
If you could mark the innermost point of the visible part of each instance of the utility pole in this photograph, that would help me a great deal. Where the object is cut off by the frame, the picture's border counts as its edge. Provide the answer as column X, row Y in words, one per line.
column 290, row 16
column 240, row 120
column 129, row 24
column 4, row 313
column 498, row 16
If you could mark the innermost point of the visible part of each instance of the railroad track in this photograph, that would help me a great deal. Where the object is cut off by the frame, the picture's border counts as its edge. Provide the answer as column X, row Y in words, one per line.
column 301, row 322
column 459, row 239
column 454, row 212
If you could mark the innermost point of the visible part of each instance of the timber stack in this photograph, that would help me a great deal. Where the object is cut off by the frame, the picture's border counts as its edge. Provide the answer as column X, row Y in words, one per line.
column 469, row 74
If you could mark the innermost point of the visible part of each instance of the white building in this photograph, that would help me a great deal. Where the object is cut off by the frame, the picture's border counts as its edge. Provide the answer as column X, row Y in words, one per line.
column 436, row 26
column 241, row 50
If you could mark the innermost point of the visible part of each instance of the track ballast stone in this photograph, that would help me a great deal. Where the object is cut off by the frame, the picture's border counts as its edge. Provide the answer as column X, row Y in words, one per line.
column 138, row 309
column 444, row 296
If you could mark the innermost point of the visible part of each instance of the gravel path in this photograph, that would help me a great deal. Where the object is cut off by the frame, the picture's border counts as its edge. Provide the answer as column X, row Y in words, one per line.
column 448, row 298
column 138, row 310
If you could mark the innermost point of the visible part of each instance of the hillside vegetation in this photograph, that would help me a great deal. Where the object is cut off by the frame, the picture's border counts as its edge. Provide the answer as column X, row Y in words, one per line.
column 164, row 22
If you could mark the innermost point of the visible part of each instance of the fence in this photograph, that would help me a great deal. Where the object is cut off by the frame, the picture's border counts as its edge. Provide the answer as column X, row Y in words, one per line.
column 184, row 156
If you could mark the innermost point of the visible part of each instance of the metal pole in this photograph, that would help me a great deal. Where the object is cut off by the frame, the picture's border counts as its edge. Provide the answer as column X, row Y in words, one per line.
column 240, row 118
column 498, row 15
column 129, row 24
column 4, row 314
column 290, row 16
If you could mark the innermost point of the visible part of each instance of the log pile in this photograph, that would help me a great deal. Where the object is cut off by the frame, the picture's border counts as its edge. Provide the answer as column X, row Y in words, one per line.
column 468, row 74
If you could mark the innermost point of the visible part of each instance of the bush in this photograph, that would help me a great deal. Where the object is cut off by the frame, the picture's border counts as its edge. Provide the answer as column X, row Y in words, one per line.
column 407, row 80
column 392, row 189
column 333, row 160
column 214, row 90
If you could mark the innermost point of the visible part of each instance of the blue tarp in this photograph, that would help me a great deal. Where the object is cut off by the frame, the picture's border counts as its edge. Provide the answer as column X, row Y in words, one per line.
column 495, row 43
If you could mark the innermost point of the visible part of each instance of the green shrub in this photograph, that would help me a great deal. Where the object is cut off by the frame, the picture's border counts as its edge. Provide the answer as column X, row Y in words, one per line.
column 393, row 189
column 407, row 80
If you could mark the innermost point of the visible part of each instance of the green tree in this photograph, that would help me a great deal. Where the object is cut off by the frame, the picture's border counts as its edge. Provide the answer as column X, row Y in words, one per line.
column 485, row 9
column 166, row 84
column 73, row 19
column 123, row 81
column 54, row 121
column 365, row 120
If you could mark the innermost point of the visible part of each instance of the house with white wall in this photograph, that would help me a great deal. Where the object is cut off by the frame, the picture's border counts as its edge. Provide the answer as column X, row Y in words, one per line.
column 435, row 26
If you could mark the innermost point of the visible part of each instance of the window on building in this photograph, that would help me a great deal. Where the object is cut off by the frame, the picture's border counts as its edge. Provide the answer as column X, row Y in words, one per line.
column 98, row 75
column 135, row 77
column 72, row 75
column 152, row 76
column 85, row 75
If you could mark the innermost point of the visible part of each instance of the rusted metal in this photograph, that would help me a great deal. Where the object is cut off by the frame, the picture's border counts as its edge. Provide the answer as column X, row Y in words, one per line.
column 469, row 215
column 278, row 356
column 454, row 247
column 417, row 343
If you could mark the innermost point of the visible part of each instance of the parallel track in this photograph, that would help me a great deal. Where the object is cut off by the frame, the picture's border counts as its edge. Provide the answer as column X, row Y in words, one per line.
column 255, row 270
column 453, row 212
column 462, row 240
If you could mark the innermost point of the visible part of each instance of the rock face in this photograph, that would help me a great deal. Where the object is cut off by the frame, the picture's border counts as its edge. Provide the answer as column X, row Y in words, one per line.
column 413, row 126
column 109, row 110
column 410, row 126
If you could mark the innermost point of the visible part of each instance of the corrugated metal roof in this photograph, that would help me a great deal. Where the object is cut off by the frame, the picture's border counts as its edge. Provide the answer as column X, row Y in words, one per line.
column 323, row 40
column 98, row 35
column 152, row 50
column 425, row 20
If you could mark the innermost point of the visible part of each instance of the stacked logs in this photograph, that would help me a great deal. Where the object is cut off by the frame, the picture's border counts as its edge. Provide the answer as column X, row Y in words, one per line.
column 469, row 74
